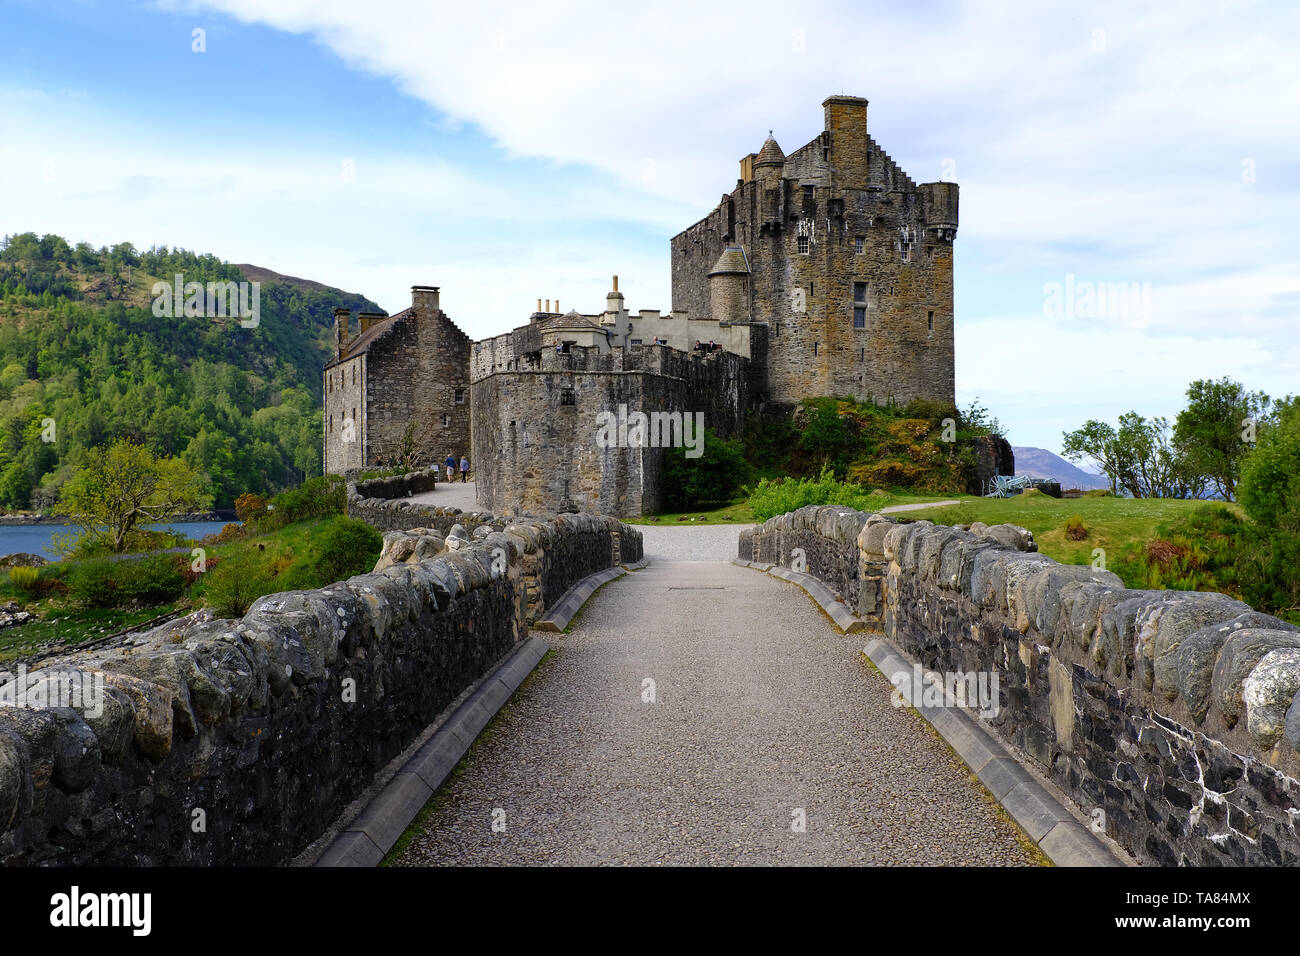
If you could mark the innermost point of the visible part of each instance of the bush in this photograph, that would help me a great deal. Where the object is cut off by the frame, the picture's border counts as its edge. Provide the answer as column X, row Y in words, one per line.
column 24, row 577
column 314, row 498
column 1075, row 529
column 712, row 478
column 344, row 547
column 773, row 498
column 232, row 586
column 155, row 579
column 249, row 507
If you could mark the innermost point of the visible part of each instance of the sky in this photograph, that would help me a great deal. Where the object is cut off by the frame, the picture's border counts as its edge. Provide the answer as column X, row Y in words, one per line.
column 510, row 152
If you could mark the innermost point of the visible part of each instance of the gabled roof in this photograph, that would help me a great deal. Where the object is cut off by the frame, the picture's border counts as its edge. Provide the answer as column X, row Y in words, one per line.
column 363, row 341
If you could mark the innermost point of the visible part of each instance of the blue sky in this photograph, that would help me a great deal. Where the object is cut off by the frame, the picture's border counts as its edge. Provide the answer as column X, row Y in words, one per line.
column 510, row 152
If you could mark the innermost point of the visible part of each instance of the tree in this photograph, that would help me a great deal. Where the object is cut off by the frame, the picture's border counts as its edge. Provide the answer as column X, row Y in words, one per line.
column 1137, row 456
column 124, row 485
column 1270, row 472
column 1213, row 432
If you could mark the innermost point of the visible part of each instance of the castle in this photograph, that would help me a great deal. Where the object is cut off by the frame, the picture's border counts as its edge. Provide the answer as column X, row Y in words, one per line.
column 825, row 272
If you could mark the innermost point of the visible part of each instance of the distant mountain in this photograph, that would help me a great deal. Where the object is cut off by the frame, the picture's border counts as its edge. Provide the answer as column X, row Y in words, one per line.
column 1041, row 463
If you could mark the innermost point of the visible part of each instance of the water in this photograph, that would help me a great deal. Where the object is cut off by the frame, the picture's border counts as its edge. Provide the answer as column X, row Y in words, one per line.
column 39, row 538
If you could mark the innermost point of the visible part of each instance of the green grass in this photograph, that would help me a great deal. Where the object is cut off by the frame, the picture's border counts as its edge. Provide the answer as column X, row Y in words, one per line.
column 738, row 512
column 72, row 626
column 1115, row 524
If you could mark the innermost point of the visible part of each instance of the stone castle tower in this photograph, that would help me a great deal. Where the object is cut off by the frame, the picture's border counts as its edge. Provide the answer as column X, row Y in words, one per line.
column 844, row 257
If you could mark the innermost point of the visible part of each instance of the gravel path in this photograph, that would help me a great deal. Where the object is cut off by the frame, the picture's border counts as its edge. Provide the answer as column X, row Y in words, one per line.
column 455, row 494
column 761, row 712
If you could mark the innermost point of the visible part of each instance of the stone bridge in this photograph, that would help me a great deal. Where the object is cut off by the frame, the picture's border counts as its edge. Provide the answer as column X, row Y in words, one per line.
column 696, row 707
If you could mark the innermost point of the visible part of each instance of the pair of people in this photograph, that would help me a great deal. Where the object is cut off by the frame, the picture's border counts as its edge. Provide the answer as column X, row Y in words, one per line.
column 451, row 468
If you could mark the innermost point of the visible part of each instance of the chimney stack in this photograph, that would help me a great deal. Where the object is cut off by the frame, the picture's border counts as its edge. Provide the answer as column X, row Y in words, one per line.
column 539, row 304
column 342, row 321
column 424, row 299
column 548, row 305
column 367, row 319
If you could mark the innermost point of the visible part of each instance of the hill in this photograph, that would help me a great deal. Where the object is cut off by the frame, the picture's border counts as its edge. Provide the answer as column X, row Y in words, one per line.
column 1041, row 463
column 84, row 359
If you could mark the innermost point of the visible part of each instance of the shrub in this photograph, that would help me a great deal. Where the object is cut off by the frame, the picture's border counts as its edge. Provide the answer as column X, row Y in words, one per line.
column 343, row 547
column 24, row 577
column 154, row 579
column 772, row 498
column 1075, row 529
column 232, row 586
column 93, row 583
column 712, row 478
column 249, row 507
column 314, row 498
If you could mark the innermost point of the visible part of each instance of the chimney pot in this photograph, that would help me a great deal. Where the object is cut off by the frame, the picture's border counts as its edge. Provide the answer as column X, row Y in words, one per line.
column 615, row 283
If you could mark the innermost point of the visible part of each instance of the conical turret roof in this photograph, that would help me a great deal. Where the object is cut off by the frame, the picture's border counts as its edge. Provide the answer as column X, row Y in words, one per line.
column 731, row 262
column 770, row 154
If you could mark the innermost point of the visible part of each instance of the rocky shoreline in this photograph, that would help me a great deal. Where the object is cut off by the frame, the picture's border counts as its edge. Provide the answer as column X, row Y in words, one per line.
column 21, row 519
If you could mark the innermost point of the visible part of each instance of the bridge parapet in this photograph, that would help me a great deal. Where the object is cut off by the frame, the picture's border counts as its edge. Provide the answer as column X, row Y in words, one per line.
column 239, row 741
column 1171, row 717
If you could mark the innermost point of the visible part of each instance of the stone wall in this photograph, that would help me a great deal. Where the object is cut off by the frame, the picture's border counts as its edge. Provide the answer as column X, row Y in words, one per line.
column 536, row 432
column 1171, row 717
column 237, row 742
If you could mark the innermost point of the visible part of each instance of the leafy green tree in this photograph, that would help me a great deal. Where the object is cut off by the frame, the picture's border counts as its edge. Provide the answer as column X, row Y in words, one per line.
column 714, row 477
column 1270, row 472
column 1213, row 431
column 1136, row 456
column 125, row 485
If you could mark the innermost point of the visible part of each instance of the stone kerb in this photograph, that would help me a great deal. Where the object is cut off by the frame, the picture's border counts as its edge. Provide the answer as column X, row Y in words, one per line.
column 1175, row 714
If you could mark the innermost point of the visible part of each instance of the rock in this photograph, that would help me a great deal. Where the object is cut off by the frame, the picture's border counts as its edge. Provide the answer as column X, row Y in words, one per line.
column 22, row 559
column 1268, row 692
column 1196, row 654
column 1240, row 653
column 1291, row 726
column 152, row 706
column 1178, row 621
column 15, row 780
column 1013, row 536
column 76, row 752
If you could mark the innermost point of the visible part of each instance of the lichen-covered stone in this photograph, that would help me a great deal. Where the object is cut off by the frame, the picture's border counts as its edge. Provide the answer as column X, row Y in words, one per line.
column 1242, row 650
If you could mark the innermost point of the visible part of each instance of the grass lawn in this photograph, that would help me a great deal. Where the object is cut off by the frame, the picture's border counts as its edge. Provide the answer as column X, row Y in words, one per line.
column 1115, row 524
column 738, row 512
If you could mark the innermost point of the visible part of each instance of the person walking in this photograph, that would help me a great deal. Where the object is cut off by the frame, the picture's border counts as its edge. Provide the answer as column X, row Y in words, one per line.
column 464, row 469
column 451, row 467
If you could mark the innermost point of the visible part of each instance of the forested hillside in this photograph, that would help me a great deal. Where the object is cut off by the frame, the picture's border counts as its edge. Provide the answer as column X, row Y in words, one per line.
column 80, row 345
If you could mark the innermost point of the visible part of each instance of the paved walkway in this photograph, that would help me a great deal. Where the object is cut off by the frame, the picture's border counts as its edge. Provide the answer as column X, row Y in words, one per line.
column 455, row 494
column 762, row 716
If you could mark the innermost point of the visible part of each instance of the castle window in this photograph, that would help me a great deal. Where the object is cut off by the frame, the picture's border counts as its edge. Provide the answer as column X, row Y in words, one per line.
column 446, row 419
column 859, row 317
column 566, row 397
column 859, row 292
column 460, row 396
column 812, row 289
column 803, row 245
column 807, row 194
column 930, row 320
column 862, row 355
column 815, row 348
column 636, row 345
column 858, row 245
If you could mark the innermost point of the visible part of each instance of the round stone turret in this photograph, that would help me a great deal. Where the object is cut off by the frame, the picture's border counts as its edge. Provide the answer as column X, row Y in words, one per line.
column 729, row 286
column 769, row 164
